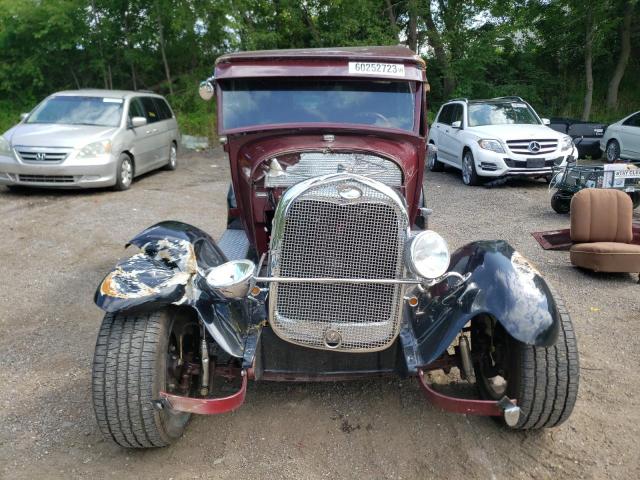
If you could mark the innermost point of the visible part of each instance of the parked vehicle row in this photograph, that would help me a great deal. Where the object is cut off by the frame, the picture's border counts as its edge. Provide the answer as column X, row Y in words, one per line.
column 90, row 138
column 622, row 139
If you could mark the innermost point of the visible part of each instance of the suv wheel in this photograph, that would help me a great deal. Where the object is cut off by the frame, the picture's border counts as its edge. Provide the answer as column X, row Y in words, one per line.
column 124, row 173
column 613, row 151
column 433, row 163
column 469, row 174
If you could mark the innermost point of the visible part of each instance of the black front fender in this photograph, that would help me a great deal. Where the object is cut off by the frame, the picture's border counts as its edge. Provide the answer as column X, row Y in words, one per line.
column 169, row 271
column 501, row 284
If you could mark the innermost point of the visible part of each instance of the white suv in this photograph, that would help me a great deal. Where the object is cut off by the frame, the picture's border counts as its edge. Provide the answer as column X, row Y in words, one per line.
column 496, row 138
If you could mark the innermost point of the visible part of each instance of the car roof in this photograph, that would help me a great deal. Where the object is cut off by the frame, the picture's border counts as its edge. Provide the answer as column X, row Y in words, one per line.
column 399, row 53
column 97, row 92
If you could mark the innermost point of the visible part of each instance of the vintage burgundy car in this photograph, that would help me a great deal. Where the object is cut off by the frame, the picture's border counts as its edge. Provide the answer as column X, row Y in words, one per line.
column 327, row 270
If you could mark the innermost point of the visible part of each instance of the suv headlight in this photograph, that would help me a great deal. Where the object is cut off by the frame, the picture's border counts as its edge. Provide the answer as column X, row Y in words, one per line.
column 428, row 255
column 94, row 149
column 566, row 143
column 490, row 144
column 5, row 147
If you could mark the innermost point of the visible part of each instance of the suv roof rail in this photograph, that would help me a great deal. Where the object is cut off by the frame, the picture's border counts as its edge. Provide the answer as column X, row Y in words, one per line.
column 460, row 99
column 509, row 97
column 145, row 91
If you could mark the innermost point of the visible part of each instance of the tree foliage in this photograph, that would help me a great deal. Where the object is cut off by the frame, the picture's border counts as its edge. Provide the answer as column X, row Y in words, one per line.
column 541, row 50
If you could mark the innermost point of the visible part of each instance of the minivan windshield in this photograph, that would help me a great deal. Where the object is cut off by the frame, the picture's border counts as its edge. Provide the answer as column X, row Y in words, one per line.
column 253, row 102
column 79, row 110
column 501, row 114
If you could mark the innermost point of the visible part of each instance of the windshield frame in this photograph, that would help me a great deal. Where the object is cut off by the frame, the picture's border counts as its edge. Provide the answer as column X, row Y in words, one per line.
column 417, row 95
column 529, row 107
column 122, row 103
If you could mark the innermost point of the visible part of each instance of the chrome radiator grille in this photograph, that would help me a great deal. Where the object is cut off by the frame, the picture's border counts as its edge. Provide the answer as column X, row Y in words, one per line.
column 524, row 147
column 326, row 236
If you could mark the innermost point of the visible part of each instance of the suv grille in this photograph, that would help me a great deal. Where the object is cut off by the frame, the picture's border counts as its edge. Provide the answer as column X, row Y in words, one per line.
column 524, row 147
column 324, row 235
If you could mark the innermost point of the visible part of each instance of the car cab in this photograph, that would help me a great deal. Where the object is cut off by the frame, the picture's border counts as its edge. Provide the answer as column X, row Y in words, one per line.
column 496, row 138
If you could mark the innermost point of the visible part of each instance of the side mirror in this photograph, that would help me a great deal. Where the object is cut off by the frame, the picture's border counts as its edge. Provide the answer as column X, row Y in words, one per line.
column 457, row 124
column 23, row 116
column 232, row 279
column 546, row 121
column 206, row 90
column 138, row 122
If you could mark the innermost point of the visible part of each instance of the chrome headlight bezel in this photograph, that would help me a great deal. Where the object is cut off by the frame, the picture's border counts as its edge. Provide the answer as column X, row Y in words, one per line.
column 491, row 144
column 427, row 255
column 95, row 149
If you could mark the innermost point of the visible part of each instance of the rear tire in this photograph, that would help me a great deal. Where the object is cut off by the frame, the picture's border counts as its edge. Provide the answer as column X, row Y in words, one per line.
column 433, row 164
column 173, row 157
column 129, row 370
column 543, row 380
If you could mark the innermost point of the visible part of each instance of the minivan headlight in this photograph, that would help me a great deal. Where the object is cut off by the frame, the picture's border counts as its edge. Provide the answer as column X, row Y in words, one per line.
column 490, row 144
column 94, row 149
column 428, row 255
column 5, row 147
column 566, row 143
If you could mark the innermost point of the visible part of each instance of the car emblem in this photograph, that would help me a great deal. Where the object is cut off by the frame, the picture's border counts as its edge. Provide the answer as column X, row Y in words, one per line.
column 41, row 156
column 348, row 192
column 534, row 147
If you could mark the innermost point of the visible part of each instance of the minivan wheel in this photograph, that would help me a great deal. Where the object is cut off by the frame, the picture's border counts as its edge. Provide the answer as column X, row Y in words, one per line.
column 124, row 173
column 173, row 157
column 613, row 151
column 469, row 174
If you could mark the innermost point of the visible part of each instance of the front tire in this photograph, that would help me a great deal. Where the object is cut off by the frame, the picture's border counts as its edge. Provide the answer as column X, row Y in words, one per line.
column 543, row 380
column 173, row 157
column 469, row 174
column 613, row 151
column 129, row 370
column 124, row 173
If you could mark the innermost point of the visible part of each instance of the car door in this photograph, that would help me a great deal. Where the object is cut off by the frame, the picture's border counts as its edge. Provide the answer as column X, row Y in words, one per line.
column 630, row 137
column 450, row 136
column 441, row 124
column 143, row 144
column 154, row 132
column 164, row 128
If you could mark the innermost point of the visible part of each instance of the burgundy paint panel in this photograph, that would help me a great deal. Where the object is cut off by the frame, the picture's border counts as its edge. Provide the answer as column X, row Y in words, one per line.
column 207, row 406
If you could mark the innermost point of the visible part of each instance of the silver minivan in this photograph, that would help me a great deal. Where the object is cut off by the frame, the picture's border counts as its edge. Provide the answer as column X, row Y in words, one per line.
column 90, row 138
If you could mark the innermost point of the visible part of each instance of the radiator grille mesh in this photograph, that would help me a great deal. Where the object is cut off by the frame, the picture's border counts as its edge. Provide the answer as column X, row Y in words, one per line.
column 327, row 236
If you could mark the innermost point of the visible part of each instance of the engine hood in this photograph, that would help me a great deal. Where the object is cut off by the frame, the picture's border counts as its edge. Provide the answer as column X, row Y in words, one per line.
column 515, row 132
column 56, row 135
column 248, row 155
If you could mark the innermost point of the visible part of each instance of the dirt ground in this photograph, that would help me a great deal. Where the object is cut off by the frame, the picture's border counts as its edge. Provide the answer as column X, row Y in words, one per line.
column 57, row 246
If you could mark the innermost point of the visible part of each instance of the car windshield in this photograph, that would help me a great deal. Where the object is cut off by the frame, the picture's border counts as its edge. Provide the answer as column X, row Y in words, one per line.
column 254, row 102
column 501, row 114
column 72, row 110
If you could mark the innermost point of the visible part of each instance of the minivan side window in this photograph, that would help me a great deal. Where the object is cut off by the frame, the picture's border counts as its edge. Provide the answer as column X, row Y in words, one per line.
column 163, row 109
column 151, row 112
column 136, row 109
column 633, row 121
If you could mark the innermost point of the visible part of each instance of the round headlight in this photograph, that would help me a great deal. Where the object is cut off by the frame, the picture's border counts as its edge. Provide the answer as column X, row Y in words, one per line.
column 428, row 255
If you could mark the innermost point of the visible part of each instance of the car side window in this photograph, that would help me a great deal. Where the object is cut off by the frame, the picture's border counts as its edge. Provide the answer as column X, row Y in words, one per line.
column 633, row 121
column 445, row 115
column 135, row 108
column 456, row 114
column 150, row 110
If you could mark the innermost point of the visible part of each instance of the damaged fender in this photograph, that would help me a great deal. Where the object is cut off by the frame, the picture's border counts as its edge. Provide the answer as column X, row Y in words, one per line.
column 501, row 284
column 170, row 270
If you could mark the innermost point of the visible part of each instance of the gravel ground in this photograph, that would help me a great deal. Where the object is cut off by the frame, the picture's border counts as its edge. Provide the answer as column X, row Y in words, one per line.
column 58, row 245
